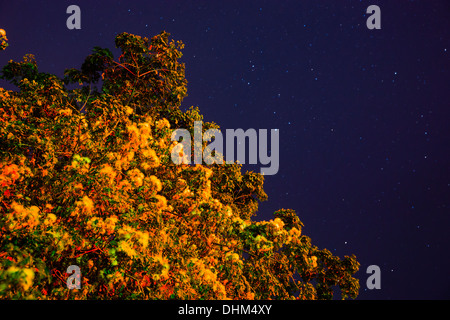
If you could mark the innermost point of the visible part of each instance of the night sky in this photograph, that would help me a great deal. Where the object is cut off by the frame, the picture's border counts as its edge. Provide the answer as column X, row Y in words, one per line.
column 363, row 114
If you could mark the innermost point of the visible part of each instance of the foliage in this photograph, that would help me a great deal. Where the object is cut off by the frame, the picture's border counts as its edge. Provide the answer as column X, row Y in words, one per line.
column 3, row 39
column 86, row 178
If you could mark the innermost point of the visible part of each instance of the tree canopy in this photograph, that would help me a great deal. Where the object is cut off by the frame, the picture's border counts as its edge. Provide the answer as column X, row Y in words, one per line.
column 87, row 179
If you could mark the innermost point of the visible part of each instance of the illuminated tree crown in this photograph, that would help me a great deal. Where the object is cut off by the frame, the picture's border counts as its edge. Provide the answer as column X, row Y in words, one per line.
column 86, row 179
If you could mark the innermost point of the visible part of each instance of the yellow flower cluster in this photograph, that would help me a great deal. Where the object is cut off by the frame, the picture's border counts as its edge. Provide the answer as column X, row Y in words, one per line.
column 22, row 218
column 145, row 133
column 129, row 110
column 228, row 211
column 144, row 129
column 65, row 112
column 100, row 226
column 140, row 238
column 216, row 206
column 11, row 173
column 155, row 183
column 293, row 236
column 278, row 223
column 50, row 220
column 242, row 224
column 80, row 164
column 120, row 162
column 151, row 160
column 276, row 227
column 233, row 256
column 85, row 205
column 313, row 262
column 125, row 247
column 250, row 296
column 133, row 132
column 109, row 172
column 139, row 137
column 208, row 276
column 163, row 123
column 136, row 176
column 162, row 202
column 25, row 276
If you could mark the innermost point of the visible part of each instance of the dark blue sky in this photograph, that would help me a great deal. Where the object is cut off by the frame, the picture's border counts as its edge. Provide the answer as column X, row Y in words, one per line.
column 363, row 114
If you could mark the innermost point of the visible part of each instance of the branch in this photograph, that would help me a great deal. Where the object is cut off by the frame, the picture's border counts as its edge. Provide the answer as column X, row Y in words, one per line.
column 121, row 65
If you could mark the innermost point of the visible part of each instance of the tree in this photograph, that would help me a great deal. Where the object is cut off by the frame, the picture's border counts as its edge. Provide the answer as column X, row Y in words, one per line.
column 86, row 179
